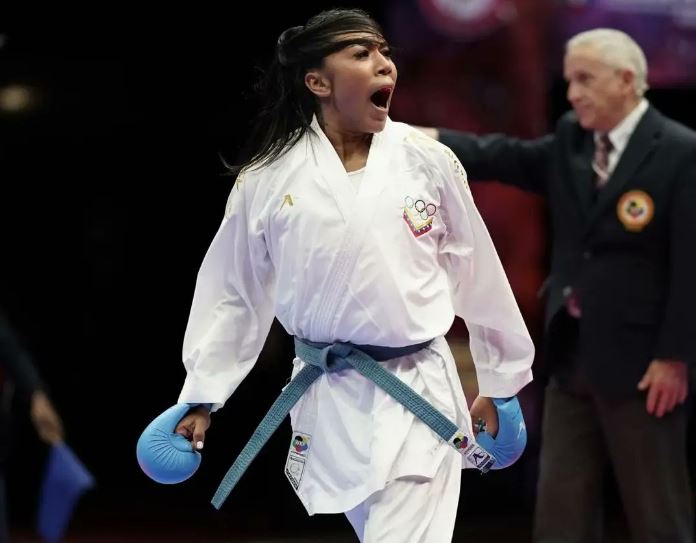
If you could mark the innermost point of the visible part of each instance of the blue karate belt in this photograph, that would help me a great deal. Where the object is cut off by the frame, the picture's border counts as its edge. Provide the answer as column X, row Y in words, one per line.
column 330, row 358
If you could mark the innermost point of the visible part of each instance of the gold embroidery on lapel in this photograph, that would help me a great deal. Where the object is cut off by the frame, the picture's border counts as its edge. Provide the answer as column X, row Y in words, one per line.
column 635, row 210
column 287, row 199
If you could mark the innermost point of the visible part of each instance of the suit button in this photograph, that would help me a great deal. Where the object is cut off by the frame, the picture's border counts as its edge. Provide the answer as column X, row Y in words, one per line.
column 567, row 291
column 587, row 255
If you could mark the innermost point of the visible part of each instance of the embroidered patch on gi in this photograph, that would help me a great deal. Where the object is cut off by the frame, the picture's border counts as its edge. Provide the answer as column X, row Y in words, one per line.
column 297, row 458
column 287, row 199
column 474, row 454
column 635, row 210
column 418, row 215
column 459, row 441
column 300, row 444
column 480, row 458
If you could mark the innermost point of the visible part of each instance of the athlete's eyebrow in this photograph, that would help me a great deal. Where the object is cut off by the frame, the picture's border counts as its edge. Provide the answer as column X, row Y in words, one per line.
column 367, row 42
column 364, row 41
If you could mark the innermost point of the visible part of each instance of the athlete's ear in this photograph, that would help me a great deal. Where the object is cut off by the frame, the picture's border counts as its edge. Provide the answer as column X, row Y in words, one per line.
column 317, row 84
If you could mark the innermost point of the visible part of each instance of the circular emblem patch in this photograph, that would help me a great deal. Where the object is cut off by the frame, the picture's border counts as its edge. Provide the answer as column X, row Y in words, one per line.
column 460, row 441
column 635, row 210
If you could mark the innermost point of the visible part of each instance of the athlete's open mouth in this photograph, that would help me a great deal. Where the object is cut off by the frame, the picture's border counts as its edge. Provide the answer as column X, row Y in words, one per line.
column 381, row 97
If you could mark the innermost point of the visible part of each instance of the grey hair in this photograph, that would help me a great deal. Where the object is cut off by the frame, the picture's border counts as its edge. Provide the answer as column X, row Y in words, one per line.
column 618, row 49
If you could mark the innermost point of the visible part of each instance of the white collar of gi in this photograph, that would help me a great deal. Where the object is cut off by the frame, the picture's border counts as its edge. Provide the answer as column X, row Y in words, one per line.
column 331, row 168
column 316, row 127
column 375, row 158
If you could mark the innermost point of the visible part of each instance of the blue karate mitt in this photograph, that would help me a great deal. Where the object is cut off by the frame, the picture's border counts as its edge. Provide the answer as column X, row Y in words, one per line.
column 508, row 445
column 165, row 456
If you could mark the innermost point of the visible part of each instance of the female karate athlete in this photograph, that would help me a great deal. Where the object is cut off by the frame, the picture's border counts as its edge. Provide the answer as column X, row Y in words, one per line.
column 355, row 229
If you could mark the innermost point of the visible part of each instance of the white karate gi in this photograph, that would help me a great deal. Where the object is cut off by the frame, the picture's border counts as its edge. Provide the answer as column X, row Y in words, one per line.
column 389, row 265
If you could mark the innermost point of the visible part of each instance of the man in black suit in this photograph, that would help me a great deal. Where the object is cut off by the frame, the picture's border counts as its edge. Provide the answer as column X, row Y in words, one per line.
column 620, row 182
column 17, row 368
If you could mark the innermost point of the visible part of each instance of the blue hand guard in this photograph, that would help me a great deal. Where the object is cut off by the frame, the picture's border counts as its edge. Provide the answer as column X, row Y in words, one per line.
column 163, row 455
column 509, row 443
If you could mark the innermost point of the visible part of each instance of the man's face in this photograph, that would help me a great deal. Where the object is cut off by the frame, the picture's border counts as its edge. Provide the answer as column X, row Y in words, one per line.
column 600, row 94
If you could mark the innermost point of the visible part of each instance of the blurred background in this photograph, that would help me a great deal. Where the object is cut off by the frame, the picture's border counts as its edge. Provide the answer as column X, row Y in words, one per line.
column 112, row 186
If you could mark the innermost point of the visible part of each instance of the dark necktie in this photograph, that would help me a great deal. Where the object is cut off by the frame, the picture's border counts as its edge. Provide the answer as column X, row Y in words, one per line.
column 600, row 166
column 600, row 160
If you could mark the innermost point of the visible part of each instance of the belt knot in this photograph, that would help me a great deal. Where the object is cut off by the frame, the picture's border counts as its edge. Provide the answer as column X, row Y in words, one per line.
column 332, row 358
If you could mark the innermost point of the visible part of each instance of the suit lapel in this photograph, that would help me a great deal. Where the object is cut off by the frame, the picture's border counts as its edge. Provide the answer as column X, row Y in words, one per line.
column 641, row 144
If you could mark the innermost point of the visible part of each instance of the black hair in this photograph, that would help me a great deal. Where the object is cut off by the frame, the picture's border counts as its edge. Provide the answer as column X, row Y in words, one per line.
column 288, row 105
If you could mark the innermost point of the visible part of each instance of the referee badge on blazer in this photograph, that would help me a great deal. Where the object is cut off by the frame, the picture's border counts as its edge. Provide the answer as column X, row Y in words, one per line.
column 635, row 210
column 418, row 215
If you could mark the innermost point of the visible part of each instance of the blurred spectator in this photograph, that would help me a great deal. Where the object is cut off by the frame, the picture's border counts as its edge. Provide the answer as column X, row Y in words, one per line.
column 17, row 372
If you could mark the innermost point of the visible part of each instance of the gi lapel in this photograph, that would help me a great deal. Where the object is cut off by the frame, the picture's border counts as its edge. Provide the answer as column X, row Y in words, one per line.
column 358, row 212
column 641, row 144
column 331, row 171
column 375, row 178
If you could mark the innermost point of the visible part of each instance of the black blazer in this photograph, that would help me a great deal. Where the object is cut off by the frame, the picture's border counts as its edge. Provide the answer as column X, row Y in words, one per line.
column 629, row 253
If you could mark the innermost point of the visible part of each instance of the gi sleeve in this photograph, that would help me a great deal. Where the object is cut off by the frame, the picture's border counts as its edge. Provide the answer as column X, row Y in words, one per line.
column 499, row 341
column 232, row 309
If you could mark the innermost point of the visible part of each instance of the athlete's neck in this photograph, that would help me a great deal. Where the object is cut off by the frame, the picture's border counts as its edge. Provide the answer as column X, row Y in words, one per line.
column 352, row 147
